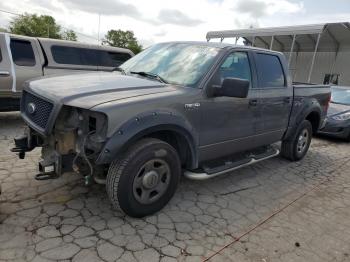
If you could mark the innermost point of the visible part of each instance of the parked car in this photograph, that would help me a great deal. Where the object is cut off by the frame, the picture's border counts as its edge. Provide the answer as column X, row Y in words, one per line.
column 202, row 108
column 338, row 117
column 23, row 58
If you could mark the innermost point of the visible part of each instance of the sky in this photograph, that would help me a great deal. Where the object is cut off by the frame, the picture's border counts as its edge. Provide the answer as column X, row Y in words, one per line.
column 155, row 21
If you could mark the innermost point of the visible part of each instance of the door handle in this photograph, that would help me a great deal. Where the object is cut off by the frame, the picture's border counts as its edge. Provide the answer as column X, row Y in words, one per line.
column 286, row 100
column 253, row 102
column 4, row 73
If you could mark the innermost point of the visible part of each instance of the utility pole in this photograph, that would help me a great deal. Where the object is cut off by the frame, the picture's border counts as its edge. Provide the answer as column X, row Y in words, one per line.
column 99, row 23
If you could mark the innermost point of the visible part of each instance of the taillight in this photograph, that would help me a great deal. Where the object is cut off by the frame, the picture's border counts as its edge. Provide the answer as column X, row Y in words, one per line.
column 328, row 101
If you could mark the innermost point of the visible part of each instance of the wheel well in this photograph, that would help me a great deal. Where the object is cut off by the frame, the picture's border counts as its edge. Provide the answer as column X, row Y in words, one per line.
column 314, row 119
column 178, row 141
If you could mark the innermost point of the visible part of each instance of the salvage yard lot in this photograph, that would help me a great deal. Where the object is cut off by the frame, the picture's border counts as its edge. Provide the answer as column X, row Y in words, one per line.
column 62, row 219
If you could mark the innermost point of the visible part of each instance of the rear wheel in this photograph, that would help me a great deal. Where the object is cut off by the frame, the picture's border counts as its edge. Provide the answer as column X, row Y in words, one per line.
column 144, row 178
column 297, row 146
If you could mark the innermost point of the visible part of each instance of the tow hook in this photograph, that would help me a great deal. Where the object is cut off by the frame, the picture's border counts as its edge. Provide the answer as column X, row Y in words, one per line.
column 47, row 171
column 21, row 146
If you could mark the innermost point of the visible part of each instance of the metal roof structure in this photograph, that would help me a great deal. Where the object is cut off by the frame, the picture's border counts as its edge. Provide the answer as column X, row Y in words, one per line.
column 327, row 37
column 332, row 35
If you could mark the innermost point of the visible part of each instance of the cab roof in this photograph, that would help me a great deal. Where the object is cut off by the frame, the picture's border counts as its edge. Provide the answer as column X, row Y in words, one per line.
column 223, row 45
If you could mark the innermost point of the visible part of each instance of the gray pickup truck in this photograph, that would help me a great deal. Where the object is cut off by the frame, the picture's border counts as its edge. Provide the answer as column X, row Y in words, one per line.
column 180, row 108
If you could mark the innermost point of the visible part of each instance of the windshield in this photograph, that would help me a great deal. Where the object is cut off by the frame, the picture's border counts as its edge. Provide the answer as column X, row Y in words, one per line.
column 176, row 63
column 340, row 96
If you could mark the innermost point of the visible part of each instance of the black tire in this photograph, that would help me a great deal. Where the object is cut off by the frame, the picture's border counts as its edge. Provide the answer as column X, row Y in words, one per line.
column 291, row 148
column 128, row 181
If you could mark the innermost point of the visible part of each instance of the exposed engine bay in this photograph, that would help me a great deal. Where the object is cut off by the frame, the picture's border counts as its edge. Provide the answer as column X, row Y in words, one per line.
column 75, row 142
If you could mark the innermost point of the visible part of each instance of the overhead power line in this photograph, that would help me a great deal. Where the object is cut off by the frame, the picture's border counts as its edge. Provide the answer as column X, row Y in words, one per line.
column 77, row 32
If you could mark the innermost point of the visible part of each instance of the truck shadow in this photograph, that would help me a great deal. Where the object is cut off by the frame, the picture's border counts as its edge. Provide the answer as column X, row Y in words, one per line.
column 331, row 139
column 10, row 123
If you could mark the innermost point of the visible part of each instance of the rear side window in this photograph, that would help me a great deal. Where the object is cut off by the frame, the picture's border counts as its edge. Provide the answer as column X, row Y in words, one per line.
column 87, row 57
column 270, row 72
column 71, row 56
column 22, row 52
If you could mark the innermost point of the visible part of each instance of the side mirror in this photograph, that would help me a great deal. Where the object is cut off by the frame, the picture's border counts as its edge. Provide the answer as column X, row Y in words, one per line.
column 233, row 87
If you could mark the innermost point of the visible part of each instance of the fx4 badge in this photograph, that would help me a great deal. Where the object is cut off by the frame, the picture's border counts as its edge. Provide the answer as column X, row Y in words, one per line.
column 192, row 106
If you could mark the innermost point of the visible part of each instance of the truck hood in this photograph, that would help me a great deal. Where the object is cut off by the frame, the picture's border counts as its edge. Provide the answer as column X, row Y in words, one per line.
column 92, row 89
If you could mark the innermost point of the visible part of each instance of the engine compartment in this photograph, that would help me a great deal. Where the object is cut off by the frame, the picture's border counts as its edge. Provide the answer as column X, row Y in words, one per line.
column 74, row 143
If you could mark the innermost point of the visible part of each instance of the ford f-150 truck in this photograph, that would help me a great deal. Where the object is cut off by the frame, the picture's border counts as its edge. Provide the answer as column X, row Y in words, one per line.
column 192, row 108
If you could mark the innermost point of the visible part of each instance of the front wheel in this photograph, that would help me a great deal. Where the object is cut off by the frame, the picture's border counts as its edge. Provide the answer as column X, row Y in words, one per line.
column 144, row 178
column 297, row 146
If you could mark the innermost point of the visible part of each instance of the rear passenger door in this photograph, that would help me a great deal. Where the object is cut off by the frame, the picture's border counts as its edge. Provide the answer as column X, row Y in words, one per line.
column 26, row 59
column 275, row 98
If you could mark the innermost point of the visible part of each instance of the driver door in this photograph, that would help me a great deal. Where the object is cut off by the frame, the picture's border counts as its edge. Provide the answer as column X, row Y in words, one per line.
column 228, row 124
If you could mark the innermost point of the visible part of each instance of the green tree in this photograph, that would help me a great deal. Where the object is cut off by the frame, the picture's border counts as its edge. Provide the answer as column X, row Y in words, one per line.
column 34, row 25
column 69, row 35
column 3, row 30
column 124, row 39
column 39, row 26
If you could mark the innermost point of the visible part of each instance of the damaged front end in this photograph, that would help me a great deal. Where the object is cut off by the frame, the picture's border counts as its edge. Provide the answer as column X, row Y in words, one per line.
column 74, row 142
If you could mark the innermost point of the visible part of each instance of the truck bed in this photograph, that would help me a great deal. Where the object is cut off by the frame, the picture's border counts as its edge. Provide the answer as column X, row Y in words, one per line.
column 309, row 94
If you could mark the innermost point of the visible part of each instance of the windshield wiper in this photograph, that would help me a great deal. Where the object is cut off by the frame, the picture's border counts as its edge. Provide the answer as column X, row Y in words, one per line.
column 119, row 69
column 149, row 74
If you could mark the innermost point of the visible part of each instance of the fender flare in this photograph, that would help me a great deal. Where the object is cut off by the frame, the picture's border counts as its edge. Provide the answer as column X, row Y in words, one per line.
column 144, row 124
column 312, row 106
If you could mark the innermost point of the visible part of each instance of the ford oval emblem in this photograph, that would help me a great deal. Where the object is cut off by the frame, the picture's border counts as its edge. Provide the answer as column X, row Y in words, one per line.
column 31, row 108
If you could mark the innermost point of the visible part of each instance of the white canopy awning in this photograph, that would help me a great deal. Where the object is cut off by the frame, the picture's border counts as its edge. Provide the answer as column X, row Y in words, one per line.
column 332, row 36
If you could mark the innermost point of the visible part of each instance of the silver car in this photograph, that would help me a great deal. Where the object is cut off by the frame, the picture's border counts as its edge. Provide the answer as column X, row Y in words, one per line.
column 338, row 117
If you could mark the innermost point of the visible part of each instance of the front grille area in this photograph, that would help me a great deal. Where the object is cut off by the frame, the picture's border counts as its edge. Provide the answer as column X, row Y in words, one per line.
column 36, row 109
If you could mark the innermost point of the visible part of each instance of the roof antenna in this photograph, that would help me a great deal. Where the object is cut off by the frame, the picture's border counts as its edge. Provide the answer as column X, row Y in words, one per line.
column 99, row 23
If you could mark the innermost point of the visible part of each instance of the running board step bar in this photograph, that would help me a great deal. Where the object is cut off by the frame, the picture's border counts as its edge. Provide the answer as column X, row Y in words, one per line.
column 243, row 163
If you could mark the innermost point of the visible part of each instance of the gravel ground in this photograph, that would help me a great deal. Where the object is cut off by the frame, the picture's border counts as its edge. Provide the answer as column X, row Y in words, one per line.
column 273, row 211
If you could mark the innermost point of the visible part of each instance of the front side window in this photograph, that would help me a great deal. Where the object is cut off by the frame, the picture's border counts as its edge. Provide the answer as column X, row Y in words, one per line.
column 177, row 63
column 22, row 52
column 236, row 65
column 270, row 72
